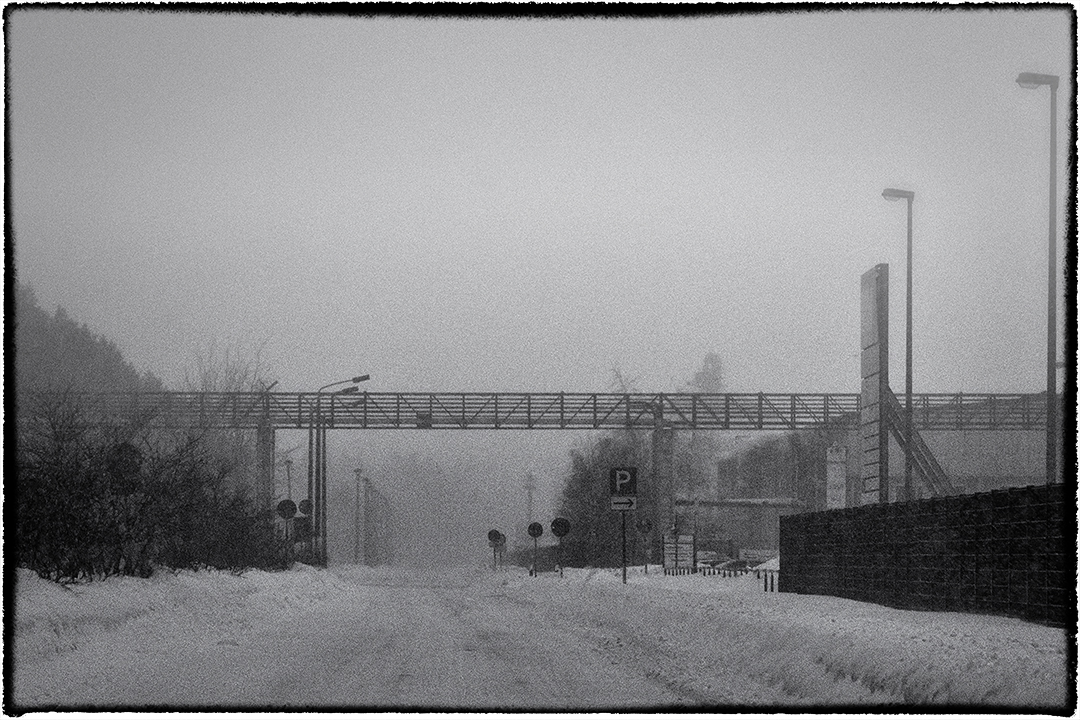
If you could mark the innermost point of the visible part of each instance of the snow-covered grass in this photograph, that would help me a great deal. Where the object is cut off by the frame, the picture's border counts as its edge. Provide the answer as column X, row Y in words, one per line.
column 693, row 629
column 865, row 653
column 51, row 619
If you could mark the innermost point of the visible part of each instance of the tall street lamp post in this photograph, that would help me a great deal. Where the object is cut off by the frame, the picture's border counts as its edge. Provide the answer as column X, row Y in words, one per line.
column 894, row 194
column 1032, row 81
column 317, row 445
column 360, row 518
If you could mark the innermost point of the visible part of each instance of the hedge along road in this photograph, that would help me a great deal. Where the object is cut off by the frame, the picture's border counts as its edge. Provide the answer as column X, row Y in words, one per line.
column 392, row 638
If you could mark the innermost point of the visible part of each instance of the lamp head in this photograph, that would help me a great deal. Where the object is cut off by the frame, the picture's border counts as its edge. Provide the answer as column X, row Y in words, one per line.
column 347, row 391
column 894, row 194
column 1030, row 81
column 360, row 378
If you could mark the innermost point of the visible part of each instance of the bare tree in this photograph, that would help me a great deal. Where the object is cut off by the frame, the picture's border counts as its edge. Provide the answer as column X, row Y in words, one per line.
column 233, row 368
column 697, row 457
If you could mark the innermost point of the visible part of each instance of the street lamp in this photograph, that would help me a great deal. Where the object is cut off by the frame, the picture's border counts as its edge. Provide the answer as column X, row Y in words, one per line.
column 354, row 380
column 893, row 194
column 317, row 463
column 1031, row 81
column 356, row 521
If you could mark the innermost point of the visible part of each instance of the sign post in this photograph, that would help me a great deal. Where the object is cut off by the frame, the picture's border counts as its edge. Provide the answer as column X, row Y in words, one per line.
column 559, row 527
column 645, row 527
column 496, row 540
column 623, row 486
column 623, row 517
column 535, row 531
column 286, row 510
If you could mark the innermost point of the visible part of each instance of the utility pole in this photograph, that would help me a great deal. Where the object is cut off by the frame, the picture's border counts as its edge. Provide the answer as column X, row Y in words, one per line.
column 1031, row 81
column 372, row 551
column 530, row 485
column 312, row 557
column 356, row 521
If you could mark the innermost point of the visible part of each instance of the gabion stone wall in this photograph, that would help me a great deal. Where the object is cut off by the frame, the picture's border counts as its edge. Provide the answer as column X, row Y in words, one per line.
column 1009, row 552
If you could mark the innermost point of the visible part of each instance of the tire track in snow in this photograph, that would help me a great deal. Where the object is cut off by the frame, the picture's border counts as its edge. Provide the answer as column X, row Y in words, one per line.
column 544, row 663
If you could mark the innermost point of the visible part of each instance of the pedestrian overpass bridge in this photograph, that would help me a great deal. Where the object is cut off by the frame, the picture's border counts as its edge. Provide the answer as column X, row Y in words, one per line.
column 565, row 411
column 661, row 413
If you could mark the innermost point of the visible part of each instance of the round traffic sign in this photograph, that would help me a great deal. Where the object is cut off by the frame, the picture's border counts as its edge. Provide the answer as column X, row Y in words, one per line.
column 286, row 509
column 305, row 506
column 536, row 529
column 560, row 526
column 494, row 535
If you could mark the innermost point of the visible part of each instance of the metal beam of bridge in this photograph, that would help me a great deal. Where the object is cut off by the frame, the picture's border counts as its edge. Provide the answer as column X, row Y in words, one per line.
column 776, row 502
column 571, row 411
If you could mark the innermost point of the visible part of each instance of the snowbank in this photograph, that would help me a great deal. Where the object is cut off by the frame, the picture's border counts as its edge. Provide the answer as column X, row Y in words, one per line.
column 694, row 628
column 51, row 618
column 864, row 653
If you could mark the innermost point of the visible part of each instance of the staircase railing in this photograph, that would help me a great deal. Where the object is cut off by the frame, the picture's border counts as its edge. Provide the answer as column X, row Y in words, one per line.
column 924, row 461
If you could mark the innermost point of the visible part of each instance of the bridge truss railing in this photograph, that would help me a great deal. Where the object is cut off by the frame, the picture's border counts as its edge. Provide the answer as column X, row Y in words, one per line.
column 726, row 411
column 973, row 411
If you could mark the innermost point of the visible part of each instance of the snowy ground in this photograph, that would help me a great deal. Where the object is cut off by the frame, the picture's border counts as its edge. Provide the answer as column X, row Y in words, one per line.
column 473, row 639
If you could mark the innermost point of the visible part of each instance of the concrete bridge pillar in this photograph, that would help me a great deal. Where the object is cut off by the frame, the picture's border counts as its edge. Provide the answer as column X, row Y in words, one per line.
column 264, row 463
column 660, row 495
column 874, row 366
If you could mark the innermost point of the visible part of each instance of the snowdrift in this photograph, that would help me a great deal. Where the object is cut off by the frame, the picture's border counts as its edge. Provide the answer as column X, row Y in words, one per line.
column 817, row 650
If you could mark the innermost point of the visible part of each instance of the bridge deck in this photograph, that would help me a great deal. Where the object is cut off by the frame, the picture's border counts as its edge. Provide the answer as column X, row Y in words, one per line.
column 465, row 411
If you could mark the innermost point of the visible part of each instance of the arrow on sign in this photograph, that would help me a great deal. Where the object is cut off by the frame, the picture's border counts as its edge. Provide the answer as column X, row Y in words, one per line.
column 626, row 502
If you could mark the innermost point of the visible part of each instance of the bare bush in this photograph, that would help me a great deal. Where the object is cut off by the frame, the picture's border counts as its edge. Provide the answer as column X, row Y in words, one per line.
column 100, row 499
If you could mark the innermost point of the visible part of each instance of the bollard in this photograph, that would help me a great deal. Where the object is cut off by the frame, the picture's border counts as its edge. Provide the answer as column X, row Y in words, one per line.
column 772, row 582
column 766, row 588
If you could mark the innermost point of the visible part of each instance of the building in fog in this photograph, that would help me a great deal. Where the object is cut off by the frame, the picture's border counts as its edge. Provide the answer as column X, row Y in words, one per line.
column 739, row 509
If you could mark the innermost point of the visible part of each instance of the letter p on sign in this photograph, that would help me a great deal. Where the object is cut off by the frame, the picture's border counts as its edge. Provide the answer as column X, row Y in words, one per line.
column 623, row 481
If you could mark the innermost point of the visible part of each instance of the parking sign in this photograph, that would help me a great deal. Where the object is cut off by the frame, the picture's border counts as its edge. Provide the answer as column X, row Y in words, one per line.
column 623, row 481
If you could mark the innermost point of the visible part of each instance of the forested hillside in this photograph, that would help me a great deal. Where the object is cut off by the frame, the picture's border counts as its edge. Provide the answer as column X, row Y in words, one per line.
column 99, row 497
column 53, row 352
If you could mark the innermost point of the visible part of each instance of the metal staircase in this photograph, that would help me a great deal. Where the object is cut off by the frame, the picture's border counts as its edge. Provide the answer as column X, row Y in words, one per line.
column 925, row 464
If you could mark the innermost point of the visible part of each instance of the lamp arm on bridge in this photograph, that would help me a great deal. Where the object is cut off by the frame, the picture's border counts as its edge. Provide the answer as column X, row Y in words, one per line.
column 357, row 379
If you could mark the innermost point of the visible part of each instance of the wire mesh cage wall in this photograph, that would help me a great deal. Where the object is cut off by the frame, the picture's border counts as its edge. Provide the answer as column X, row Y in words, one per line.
column 1008, row 552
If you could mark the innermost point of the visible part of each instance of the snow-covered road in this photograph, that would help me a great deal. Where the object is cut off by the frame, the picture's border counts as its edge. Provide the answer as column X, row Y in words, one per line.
column 468, row 638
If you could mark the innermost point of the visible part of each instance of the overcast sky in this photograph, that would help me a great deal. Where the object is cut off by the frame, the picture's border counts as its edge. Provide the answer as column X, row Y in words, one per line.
column 520, row 205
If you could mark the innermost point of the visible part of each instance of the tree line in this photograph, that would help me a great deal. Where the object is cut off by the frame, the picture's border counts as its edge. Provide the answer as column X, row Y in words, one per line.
column 597, row 536
column 788, row 464
column 55, row 353
column 94, row 499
